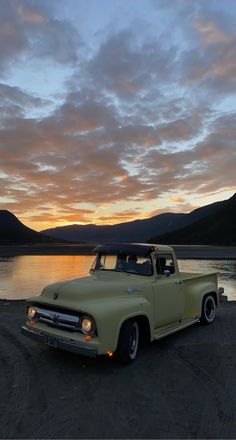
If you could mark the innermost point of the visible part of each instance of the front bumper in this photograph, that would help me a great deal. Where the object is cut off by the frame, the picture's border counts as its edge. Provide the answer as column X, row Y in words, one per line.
column 58, row 342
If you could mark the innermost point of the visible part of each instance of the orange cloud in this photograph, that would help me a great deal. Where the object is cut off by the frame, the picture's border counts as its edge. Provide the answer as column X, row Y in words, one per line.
column 177, row 199
column 210, row 32
column 119, row 217
column 30, row 16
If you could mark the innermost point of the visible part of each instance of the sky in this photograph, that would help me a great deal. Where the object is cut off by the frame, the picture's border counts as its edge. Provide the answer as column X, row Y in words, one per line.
column 112, row 111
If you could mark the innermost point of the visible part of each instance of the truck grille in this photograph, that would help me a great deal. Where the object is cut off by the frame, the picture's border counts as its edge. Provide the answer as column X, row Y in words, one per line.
column 58, row 319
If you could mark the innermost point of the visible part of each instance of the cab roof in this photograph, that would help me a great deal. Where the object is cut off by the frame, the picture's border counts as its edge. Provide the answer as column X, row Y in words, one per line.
column 140, row 249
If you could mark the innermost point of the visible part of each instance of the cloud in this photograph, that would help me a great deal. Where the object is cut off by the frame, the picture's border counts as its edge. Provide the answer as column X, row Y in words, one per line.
column 212, row 64
column 142, row 116
column 120, row 217
column 13, row 40
column 91, row 170
column 28, row 30
column 56, row 40
column 177, row 199
column 78, row 154
column 123, row 67
column 181, row 129
column 14, row 102
column 184, row 207
column 29, row 13
column 75, row 216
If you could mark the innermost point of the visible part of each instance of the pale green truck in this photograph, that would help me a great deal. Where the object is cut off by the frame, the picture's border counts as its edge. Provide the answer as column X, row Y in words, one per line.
column 134, row 293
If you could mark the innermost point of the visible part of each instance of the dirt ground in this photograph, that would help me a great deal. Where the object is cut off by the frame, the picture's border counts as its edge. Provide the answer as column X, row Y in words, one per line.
column 183, row 386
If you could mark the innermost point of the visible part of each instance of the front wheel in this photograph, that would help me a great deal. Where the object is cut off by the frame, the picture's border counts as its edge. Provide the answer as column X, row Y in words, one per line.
column 208, row 310
column 128, row 343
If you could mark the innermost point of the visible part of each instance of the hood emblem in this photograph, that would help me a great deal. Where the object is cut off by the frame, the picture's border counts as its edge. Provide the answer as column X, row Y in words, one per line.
column 55, row 295
column 55, row 319
column 132, row 289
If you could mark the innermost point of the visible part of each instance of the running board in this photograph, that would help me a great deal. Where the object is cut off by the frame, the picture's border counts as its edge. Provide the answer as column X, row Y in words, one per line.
column 168, row 330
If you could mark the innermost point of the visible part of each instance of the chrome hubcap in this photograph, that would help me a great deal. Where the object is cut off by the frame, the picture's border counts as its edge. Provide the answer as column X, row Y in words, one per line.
column 133, row 340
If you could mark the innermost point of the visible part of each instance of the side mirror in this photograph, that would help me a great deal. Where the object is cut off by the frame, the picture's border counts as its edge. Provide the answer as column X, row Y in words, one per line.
column 166, row 273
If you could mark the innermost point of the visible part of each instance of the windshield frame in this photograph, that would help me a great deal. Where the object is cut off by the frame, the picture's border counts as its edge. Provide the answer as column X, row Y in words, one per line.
column 132, row 264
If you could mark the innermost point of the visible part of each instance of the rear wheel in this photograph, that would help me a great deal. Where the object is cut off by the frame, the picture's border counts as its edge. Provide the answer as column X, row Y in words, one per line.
column 208, row 310
column 128, row 343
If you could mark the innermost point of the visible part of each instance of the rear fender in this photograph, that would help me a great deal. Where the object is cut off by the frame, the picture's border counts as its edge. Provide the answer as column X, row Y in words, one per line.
column 196, row 295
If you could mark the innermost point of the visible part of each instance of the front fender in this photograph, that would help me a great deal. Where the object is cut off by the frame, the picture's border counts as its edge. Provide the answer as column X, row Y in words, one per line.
column 110, row 315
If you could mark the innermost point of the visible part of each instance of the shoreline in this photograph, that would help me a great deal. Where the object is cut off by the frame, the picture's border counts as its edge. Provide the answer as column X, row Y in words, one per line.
column 182, row 251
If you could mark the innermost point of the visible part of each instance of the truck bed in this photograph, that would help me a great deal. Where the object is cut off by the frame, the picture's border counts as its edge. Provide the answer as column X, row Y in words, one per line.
column 200, row 283
column 192, row 275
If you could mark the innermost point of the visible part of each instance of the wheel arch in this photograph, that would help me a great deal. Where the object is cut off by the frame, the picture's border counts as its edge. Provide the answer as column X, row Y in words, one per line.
column 214, row 295
column 197, row 289
column 144, row 326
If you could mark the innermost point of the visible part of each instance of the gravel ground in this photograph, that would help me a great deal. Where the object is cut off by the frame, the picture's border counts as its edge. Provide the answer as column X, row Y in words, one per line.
column 183, row 386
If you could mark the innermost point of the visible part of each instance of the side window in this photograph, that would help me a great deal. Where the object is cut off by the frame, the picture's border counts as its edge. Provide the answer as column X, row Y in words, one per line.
column 164, row 262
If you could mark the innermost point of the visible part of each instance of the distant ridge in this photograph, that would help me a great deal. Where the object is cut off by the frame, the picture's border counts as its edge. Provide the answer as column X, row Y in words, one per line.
column 13, row 231
column 135, row 231
column 210, row 224
column 218, row 228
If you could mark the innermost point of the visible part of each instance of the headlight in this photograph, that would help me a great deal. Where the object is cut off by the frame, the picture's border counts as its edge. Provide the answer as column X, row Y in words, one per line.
column 31, row 312
column 88, row 325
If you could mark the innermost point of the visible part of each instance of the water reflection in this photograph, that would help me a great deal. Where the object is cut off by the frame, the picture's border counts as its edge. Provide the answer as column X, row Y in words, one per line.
column 226, row 269
column 25, row 276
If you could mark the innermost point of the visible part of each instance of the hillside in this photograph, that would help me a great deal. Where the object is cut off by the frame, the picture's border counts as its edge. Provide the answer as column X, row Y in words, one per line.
column 12, row 231
column 218, row 228
column 211, row 224
column 135, row 231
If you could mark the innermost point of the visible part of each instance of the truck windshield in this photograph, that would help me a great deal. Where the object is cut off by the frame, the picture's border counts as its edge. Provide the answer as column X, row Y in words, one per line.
column 135, row 264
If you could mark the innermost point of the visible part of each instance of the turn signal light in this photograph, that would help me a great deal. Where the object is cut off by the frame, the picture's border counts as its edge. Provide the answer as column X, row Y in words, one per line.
column 109, row 353
column 87, row 338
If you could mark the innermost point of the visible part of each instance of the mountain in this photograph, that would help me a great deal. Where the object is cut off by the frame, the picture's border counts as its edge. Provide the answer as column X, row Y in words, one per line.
column 218, row 228
column 135, row 231
column 12, row 231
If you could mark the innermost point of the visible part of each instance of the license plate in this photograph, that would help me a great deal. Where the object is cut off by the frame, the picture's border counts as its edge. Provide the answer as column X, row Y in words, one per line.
column 51, row 341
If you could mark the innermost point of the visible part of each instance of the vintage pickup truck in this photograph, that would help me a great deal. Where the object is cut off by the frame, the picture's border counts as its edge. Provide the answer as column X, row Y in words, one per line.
column 134, row 293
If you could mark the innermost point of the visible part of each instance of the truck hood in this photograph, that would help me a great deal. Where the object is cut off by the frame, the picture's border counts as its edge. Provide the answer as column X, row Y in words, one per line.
column 78, row 293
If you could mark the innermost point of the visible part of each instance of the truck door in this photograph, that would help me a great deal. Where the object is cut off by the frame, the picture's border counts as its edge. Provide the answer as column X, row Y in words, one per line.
column 169, row 298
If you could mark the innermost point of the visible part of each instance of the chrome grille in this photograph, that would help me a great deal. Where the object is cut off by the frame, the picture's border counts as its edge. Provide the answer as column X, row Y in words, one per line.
column 58, row 319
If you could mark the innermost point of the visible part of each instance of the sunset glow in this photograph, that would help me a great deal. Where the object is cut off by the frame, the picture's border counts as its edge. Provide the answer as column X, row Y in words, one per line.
column 113, row 111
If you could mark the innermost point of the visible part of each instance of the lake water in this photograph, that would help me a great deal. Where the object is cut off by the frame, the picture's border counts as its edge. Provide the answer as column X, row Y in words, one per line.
column 25, row 276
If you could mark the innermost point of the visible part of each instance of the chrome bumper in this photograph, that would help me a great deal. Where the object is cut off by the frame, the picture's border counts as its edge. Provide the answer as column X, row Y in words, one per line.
column 62, row 344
